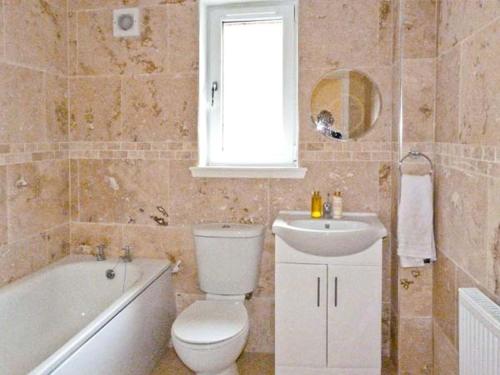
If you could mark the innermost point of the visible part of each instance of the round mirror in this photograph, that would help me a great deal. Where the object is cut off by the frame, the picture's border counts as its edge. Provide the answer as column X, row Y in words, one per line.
column 345, row 104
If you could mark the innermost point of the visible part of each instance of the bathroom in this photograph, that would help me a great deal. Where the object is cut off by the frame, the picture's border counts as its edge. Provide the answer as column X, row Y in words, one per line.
column 104, row 153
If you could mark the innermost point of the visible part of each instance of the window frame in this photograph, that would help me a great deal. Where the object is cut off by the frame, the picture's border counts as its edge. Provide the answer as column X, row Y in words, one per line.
column 212, row 14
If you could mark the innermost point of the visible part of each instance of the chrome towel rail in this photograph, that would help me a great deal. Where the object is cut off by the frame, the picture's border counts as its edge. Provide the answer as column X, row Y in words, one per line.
column 415, row 155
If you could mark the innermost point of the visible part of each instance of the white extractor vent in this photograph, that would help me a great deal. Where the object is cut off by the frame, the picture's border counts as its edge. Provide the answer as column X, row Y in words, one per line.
column 126, row 22
column 479, row 334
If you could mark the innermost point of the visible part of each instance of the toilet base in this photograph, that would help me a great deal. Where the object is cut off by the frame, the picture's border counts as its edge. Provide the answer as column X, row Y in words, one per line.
column 231, row 370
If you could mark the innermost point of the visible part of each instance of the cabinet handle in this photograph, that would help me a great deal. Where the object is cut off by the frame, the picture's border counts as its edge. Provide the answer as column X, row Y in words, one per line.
column 318, row 291
column 336, row 294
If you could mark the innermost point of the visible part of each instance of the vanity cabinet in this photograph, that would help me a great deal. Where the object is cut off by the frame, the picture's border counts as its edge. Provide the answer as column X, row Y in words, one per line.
column 354, row 316
column 328, row 312
column 302, row 307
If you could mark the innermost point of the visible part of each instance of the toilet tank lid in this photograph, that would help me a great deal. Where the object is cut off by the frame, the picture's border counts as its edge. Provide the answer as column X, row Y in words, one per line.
column 228, row 230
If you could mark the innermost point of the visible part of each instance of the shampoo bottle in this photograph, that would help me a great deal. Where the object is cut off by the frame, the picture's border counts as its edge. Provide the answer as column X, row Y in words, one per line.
column 337, row 205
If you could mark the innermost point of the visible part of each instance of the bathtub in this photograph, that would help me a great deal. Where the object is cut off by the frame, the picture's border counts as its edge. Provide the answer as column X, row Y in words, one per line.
column 69, row 318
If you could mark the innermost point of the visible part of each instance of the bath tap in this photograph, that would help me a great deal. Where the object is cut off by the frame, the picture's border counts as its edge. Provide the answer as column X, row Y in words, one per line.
column 126, row 257
column 100, row 256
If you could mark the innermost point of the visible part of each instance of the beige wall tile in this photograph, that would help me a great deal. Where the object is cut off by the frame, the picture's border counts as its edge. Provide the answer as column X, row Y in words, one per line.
column 477, row 14
column 36, row 33
column 56, row 101
column 415, row 345
column 265, row 287
column 450, row 19
column 261, row 336
column 362, row 30
column 2, row 39
column 415, row 300
column 95, row 4
column 175, row 244
column 480, row 81
column 57, row 242
column 22, row 258
column 37, row 197
column 445, row 296
column 86, row 237
column 124, row 191
column 101, row 53
column 22, row 112
column 445, row 354
column 461, row 210
column 447, row 96
column 160, row 108
column 418, row 98
column 74, row 199
column 386, row 330
column 95, row 109
column 419, row 28
column 3, row 206
column 493, row 236
column 182, row 34
column 196, row 200
column 358, row 181
column 72, row 42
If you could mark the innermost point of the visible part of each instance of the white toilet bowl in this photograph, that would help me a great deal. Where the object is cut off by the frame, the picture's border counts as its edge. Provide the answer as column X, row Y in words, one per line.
column 210, row 335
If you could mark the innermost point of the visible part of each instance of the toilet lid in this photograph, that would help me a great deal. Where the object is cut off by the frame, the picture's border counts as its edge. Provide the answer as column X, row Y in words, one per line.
column 209, row 322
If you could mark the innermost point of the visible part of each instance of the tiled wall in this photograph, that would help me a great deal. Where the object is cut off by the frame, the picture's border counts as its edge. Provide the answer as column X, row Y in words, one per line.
column 414, row 74
column 468, row 157
column 133, row 105
column 34, row 171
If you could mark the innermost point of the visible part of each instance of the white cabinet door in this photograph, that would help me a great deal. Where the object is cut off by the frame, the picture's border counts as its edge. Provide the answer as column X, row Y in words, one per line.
column 301, row 305
column 354, row 316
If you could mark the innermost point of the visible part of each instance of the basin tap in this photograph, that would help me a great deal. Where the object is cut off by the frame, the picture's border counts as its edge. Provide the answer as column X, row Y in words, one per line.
column 327, row 208
column 126, row 257
column 100, row 255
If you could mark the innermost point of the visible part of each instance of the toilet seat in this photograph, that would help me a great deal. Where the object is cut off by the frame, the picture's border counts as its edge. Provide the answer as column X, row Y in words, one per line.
column 210, row 322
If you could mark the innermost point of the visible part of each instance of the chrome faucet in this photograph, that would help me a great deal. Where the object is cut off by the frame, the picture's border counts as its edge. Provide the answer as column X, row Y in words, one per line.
column 327, row 208
column 126, row 257
column 100, row 256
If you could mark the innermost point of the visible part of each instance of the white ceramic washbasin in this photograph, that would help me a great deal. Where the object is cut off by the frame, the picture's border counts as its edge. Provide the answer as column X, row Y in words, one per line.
column 352, row 234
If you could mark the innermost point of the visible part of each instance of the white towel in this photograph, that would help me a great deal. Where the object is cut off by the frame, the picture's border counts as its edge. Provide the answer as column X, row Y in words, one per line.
column 416, row 221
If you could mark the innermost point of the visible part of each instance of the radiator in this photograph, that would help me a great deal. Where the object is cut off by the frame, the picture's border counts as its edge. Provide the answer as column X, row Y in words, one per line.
column 479, row 334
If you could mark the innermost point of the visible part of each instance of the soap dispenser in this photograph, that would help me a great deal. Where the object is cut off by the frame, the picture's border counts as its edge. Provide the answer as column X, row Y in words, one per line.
column 316, row 205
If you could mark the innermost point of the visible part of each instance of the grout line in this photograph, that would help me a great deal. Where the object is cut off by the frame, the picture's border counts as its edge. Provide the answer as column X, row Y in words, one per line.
column 470, row 36
column 4, row 29
column 78, row 190
column 460, row 90
column 77, row 39
column 36, row 234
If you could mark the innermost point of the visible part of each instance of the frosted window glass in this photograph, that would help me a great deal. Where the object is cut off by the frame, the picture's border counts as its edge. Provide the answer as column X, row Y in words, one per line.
column 252, row 104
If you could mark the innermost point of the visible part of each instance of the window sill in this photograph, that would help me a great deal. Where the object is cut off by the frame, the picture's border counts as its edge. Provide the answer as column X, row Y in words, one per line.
column 249, row 172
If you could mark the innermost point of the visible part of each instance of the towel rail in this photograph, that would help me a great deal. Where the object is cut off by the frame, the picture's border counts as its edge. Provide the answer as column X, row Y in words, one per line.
column 415, row 155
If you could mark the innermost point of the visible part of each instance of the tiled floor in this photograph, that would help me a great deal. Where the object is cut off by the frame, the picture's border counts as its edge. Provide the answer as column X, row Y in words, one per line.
column 248, row 364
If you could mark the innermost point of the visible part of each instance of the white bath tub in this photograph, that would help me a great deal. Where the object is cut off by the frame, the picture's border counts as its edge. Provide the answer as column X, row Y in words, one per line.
column 69, row 318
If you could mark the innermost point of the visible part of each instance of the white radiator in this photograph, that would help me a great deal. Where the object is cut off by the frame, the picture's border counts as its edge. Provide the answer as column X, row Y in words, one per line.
column 479, row 334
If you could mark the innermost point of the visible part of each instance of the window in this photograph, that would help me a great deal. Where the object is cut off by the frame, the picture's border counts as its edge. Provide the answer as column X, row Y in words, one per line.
column 248, row 116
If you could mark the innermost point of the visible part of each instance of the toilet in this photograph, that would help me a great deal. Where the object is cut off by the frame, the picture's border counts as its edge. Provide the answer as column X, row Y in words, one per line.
column 209, row 335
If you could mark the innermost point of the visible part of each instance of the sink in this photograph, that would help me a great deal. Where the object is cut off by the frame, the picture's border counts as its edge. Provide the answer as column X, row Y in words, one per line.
column 352, row 234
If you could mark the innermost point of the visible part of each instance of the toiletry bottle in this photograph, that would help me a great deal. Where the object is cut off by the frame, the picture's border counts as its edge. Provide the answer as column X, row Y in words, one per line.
column 316, row 205
column 327, row 207
column 337, row 205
